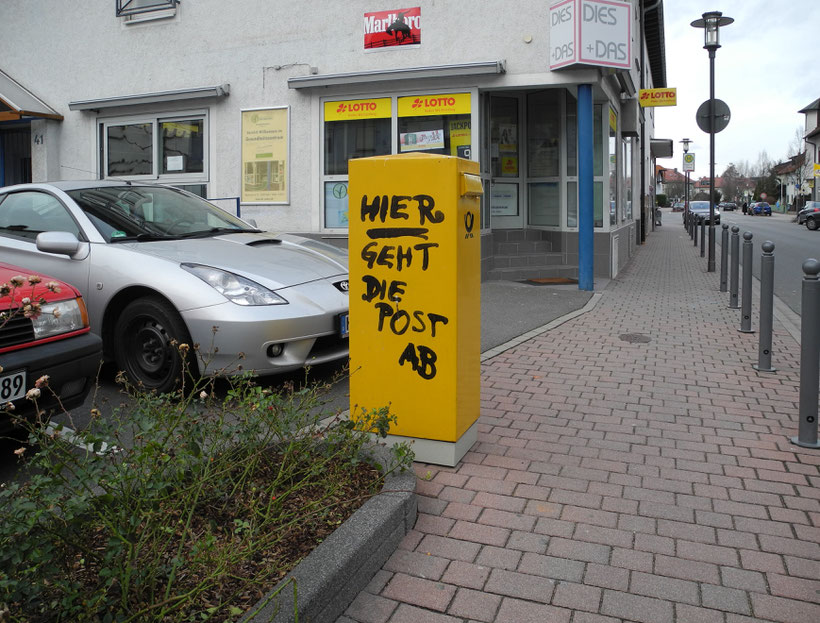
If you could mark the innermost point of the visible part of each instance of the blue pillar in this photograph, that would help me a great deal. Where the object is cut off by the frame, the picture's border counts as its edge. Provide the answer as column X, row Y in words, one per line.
column 586, row 188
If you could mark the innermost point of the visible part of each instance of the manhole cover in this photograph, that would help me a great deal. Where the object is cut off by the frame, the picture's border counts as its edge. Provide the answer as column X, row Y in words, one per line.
column 635, row 338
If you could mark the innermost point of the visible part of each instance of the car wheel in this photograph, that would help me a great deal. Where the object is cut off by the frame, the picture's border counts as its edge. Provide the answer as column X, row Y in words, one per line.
column 812, row 223
column 147, row 335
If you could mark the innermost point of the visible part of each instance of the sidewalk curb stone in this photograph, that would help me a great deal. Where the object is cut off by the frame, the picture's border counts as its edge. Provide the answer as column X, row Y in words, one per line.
column 331, row 576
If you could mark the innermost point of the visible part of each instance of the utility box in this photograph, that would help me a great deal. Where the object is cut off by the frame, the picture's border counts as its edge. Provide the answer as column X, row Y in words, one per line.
column 415, row 298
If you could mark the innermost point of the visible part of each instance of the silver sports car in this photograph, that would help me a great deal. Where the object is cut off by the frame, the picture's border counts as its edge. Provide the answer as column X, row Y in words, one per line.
column 158, row 267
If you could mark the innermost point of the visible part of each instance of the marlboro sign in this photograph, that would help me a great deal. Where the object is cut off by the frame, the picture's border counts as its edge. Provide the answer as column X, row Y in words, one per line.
column 397, row 27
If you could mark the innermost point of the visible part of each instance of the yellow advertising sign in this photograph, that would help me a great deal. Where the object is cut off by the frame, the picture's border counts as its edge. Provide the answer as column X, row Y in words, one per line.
column 425, row 105
column 817, row 170
column 415, row 312
column 460, row 138
column 265, row 156
column 350, row 110
column 613, row 120
column 658, row 97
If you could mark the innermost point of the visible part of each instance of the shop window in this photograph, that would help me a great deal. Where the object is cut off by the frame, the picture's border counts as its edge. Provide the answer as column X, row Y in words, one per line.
column 164, row 148
column 436, row 124
column 572, row 204
column 613, row 167
column 544, row 133
column 572, row 135
column 504, row 156
column 627, row 157
column 352, row 129
column 354, row 139
column 545, row 204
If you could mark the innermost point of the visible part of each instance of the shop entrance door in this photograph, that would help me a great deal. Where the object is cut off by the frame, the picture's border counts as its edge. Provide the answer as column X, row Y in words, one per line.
column 507, row 205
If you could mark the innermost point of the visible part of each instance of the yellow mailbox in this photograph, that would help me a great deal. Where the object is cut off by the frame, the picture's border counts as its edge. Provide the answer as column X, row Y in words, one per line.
column 415, row 298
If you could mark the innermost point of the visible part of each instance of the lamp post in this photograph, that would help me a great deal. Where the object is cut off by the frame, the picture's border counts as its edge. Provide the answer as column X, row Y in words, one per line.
column 711, row 23
column 685, row 142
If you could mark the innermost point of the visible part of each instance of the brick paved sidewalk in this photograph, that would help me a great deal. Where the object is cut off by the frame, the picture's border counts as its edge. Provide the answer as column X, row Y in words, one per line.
column 631, row 466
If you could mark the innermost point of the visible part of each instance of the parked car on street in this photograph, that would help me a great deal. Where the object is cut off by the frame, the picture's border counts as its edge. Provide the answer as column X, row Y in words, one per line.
column 728, row 206
column 811, row 207
column 678, row 206
column 159, row 267
column 44, row 332
column 701, row 210
column 760, row 207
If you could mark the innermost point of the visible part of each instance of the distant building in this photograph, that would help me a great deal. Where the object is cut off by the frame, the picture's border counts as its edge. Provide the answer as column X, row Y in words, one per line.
column 811, row 137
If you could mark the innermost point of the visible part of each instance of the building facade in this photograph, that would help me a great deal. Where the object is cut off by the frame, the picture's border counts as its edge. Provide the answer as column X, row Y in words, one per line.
column 267, row 101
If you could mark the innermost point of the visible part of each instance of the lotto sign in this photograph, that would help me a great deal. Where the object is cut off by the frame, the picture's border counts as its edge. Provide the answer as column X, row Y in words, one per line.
column 658, row 97
column 688, row 162
column 817, row 170
column 590, row 32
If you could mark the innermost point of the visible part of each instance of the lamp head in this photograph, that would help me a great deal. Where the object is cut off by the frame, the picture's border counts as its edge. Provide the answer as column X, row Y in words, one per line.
column 711, row 23
column 685, row 142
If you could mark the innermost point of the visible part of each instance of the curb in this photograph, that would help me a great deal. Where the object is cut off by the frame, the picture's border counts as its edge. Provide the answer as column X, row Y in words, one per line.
column 497, row 350
column 334, row 573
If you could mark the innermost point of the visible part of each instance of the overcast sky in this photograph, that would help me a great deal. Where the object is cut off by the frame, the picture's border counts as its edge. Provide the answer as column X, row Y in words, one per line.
column 767, row 68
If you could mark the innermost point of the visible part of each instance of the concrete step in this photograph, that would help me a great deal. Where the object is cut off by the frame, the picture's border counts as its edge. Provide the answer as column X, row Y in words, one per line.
column 532, row 272
column 528, row 260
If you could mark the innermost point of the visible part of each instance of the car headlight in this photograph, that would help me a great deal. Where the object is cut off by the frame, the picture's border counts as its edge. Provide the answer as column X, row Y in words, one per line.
column 235, row 288
column 59, row 317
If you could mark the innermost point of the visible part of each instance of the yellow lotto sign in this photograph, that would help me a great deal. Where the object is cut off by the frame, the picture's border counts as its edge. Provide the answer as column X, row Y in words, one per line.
column 441, row 104
column 349, row 110
column 658, row 97
column 415, row 308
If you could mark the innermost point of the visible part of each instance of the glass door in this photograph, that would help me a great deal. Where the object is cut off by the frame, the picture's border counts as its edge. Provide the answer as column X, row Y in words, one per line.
column 506, row 209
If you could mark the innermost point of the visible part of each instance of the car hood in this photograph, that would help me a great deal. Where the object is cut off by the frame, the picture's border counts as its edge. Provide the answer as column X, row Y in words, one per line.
column 275, row 261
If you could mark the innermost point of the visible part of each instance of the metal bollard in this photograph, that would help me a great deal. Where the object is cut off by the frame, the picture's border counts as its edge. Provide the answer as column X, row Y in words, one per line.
column 809, row 356
column 746, row 286
column 764, row 349
column 734, row 272
column 694, row 231
column 703, row 237
column 724, row 258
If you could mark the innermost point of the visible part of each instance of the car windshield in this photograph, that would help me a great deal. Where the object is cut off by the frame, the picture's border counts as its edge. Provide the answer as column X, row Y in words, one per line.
column 699, row 205
column 145, row 213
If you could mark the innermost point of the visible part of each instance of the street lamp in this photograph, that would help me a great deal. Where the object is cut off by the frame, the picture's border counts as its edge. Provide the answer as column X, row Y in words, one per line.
column 685, row 142
column 711, row 23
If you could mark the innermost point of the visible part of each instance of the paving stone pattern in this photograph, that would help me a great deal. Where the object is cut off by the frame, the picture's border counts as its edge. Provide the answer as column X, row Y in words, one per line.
column 622, row 480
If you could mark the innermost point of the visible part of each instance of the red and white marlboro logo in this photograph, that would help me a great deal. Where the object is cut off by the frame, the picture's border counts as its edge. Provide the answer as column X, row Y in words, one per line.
column 384, row 29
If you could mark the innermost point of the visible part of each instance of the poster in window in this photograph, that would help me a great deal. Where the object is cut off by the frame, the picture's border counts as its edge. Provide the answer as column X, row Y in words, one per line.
column 265, row 156
column 509, row 138
column 504, row 200
column 417, row 141
column 460, row 138
column 389, row 29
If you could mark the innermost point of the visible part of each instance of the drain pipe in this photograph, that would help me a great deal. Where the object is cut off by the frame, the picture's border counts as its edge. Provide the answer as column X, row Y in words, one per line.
column 642, row 81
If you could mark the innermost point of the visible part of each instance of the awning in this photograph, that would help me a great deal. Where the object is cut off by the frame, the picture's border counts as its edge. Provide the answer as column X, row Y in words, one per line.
column 220, row 90
column 403, row 73
column 662, row 147
column 17, row 102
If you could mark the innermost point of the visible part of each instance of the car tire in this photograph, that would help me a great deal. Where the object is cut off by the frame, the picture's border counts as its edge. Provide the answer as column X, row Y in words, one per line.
column 812, row 223
column 146, row 337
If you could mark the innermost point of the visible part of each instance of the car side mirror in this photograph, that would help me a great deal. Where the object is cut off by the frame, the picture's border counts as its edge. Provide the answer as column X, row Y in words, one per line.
column 63, row 243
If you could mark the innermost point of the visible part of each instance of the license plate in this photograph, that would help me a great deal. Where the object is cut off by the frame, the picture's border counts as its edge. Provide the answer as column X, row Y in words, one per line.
column 12, row 386
column 344, row 324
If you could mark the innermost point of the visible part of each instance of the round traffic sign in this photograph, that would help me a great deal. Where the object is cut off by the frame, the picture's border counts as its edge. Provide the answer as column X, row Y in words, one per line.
column 722, row 116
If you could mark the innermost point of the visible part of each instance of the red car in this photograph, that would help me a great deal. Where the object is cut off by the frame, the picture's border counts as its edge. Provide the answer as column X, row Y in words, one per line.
column 44, row 332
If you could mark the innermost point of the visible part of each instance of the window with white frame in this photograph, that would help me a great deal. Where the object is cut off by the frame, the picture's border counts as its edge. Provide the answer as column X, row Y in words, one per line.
column 167, row 148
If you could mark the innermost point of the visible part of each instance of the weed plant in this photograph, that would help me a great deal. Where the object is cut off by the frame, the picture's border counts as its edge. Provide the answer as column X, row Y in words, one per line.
column 185, row 507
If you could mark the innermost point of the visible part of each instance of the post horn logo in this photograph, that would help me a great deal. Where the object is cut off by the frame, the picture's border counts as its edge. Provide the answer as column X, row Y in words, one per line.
column 469, row 222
